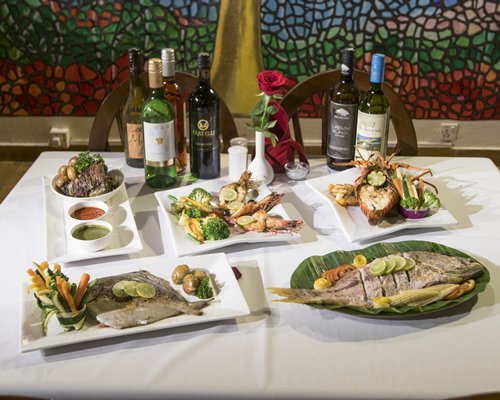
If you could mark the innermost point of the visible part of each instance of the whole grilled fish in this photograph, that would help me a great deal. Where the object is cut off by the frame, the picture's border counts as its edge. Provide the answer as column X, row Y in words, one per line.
column 133, row 311
column 358, row 287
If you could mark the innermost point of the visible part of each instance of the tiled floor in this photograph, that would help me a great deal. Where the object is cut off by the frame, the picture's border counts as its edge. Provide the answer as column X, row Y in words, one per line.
column 10, row 173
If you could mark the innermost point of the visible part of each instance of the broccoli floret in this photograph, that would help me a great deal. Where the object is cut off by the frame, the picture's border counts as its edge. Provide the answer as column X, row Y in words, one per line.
column 410, row 203
column 431, row 201
column 194, row 213
column 85, row 160
column 204, row 290
column 200, row 195
column 214, row 228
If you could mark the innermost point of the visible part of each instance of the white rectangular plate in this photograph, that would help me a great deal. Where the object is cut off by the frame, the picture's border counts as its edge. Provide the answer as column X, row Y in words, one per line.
column 229, row 303
column 58, row 226
column 354, row 223
column 183, row 245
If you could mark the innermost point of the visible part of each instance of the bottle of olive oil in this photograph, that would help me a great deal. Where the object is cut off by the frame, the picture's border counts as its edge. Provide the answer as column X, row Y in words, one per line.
column 159, row 133
column 204, row 125
column 343, row 115
column 174, row 95
column 132, row 112
column 373, row 115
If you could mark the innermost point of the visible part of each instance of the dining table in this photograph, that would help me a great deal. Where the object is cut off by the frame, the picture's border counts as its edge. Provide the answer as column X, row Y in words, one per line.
column 278, row 349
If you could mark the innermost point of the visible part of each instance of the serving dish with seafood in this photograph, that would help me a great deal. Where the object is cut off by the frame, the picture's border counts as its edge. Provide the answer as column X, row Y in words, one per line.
column 124, row 298
column 387, row 280
column 382, row 197
column 215, row 214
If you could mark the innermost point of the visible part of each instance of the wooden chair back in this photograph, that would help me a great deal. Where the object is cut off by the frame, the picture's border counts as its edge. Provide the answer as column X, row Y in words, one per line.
column 112, row 106
column 322, row 83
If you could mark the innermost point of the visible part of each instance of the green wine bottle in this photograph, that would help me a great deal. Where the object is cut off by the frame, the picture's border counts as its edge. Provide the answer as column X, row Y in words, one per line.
column 159, row 133
column 132, row 112
column 344, row 101
column 373, row 115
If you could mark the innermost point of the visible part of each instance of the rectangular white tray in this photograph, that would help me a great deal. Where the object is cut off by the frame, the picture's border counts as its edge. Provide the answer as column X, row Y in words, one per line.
column 229, row 303
column 58, row 226
column 354, row 223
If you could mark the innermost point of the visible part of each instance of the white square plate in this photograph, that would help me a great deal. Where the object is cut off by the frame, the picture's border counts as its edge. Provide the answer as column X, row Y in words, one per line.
column 229, row 303
column 354, row 223
column 58, row 224
column 183, row 245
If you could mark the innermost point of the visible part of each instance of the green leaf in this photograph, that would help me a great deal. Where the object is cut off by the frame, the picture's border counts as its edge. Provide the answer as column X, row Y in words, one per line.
column 308, row 271
column 271, row 124
column 258, row 109
column 272, row 110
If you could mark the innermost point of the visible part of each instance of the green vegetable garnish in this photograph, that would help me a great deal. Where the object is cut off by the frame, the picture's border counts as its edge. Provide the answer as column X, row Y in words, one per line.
column 204, row 290
column 193, row 213
column 214, row 228
column 200, row 195
column 85, row 160
column 410, row 203
column 431, row 201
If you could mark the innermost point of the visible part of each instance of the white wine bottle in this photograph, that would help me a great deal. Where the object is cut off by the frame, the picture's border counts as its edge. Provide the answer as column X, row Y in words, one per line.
column 159, row 134
column 372, row 129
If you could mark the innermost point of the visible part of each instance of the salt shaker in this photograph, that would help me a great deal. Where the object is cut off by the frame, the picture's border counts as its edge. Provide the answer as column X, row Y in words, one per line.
column 238, row 156
column 239, row 141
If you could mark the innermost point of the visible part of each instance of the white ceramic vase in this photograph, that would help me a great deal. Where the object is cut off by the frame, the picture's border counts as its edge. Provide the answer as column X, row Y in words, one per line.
column 260, row 168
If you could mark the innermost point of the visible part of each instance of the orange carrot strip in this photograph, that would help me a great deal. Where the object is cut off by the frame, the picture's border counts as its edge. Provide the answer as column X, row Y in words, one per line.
column 399, row 185
column 82, row 287
column 69, row 297
column 44, row 264
column 31, row 272
column 57, row 267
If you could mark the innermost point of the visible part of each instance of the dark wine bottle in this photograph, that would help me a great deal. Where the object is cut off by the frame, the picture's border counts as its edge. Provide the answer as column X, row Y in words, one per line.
column 132, row 112
column 173, row 94
column 344, row 101
column 204, row 125
column 372, row 128
column 159, row 135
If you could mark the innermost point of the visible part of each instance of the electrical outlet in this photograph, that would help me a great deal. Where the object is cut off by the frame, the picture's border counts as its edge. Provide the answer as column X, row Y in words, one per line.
column 448, row 132
column 59, row 138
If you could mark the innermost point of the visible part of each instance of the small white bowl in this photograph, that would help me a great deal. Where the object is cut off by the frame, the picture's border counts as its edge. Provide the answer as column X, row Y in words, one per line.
column 297, row 170
column 91, row 245
column 88, row 203
column 102, row 197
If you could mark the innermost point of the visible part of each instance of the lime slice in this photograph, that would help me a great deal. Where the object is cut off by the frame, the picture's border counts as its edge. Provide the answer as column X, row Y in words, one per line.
column 359, row 261
column 130, row 288
column 376, row 178
column 390, row 265
column 118, row 289
column 378, row 268
column 400, row 263
column 410, row 263
column 228, row 194
column 245, row 220
column 235, row 205
column 145, row 290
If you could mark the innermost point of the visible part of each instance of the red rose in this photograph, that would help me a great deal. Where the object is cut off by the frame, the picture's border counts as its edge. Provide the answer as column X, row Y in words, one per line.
column 271, row 82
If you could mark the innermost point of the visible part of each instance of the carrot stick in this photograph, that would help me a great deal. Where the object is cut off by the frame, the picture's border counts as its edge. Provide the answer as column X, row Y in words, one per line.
column 399, row 185
column 44, row 264
column 67, row 296
column 82, row 287
column 31, row 272
column 57, row 267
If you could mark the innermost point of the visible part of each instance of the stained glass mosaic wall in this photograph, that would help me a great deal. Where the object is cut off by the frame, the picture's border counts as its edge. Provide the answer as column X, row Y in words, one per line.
column 63, row 57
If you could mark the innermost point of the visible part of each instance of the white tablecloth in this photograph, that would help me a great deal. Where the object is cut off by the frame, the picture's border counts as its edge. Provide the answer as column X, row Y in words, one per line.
column 280, row 350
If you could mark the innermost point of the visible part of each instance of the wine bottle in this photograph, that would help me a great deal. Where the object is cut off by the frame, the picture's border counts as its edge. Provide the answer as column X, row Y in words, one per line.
column 159, row 135
column 173, row 94
column 131, row 115
column 204, row 125
column 344, row 102
column 373, row 115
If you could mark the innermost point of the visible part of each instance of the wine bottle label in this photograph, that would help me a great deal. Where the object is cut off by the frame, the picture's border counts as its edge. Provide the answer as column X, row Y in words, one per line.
column 342, row 130
column 135, row 141
column 371, row 130
column 205, row 130
column 159, row 144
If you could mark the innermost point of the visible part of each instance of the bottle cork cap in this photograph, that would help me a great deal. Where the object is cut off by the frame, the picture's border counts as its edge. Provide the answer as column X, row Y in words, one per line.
column 154, row 66
column 168, row 55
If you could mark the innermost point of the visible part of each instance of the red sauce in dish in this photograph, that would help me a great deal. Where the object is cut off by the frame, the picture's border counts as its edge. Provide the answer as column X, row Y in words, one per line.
column 86, row 213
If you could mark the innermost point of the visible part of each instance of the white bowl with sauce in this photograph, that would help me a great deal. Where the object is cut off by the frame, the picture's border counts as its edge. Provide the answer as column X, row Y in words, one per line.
column 90, row 236
column 88, row 210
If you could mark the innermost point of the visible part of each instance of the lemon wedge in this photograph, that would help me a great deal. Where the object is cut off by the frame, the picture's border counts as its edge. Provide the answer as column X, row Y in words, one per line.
column 359, row 261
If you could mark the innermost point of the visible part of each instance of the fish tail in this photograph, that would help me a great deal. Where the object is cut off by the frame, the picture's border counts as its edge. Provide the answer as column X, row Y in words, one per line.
column 301, row 296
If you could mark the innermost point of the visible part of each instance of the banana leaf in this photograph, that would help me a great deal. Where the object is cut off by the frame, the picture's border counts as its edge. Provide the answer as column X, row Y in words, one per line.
column 311, row 268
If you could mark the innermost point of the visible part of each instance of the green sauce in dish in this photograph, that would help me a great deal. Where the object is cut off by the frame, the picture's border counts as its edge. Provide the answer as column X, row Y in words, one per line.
column 90, row 232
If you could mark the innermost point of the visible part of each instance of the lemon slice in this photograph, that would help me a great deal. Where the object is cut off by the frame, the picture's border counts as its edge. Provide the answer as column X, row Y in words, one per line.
column 118, row 290
column 130, row 288
column 322, row 283
column 235, row 205
column 359, row 261
column 376, row 178
column 390, row 265
column 400, row 263
column 245, row 220
column 145, row 290
column 378, row 268
column 410, row 263
column 229, row 194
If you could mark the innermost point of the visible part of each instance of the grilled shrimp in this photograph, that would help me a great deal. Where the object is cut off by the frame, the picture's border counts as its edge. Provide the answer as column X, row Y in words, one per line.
column 241, row 188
